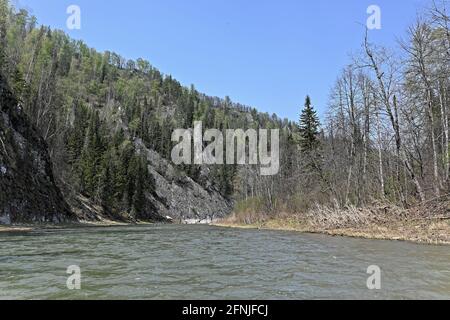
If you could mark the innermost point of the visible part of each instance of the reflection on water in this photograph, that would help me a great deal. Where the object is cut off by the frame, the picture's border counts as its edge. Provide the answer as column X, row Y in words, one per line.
column 203, row 262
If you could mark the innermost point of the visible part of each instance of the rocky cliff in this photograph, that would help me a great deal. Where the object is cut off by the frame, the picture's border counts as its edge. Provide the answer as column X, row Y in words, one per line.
column 179, row 197
column 28, row 192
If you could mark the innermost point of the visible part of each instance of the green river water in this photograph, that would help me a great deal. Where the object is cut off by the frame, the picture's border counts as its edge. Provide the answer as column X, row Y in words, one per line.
column 205, row 262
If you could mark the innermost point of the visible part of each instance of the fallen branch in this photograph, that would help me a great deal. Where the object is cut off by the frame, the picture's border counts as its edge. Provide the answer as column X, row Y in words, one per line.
column 4, row 147
column 430, row 218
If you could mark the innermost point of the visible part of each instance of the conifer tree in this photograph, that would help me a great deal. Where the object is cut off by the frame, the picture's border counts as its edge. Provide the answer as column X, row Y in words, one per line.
column 140, row 186
column 309, row 128
column 92, row 156
column 106, row 191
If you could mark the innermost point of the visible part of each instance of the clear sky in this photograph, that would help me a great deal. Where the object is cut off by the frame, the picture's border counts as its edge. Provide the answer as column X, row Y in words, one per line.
column 266, row 54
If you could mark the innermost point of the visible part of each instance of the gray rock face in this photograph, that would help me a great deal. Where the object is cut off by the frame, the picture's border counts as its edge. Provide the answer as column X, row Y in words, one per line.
column 177, row 197
column 28, row 193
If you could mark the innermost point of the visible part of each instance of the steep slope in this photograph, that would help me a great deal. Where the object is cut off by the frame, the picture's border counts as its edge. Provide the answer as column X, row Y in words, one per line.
column 28, row 193
column 178, row 196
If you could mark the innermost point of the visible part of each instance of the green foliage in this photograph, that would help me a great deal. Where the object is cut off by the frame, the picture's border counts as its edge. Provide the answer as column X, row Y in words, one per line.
column 309, row 127
column 91, row 158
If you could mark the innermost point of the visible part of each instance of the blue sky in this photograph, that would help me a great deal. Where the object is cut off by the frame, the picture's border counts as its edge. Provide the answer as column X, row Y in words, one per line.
column 266, row 54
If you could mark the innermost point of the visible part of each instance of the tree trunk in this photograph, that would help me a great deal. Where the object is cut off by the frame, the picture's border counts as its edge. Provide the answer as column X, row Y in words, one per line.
column 380, row 157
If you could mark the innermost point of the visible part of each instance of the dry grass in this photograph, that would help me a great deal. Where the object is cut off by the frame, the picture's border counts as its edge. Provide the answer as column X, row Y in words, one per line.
column 428, row 223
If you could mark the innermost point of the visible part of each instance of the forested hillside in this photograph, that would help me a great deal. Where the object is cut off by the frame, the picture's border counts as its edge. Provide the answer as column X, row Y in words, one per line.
column 108, row 122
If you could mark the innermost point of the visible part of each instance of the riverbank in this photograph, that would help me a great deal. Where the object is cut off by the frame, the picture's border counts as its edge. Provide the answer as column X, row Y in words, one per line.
column 429, row 233
column 80, row 224
column 14, row 229
column 427, row 224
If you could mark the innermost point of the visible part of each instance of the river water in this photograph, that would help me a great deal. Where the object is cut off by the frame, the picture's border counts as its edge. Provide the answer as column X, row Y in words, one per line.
column 204, row 262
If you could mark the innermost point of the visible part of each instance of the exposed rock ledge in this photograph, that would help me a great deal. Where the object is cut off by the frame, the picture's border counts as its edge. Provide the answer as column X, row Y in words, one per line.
column 28, row 192
column 178, row 197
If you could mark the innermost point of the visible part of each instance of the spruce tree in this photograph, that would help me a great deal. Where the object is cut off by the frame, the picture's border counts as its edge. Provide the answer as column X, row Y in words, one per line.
column 92, row 156
column 106, row 192
column 309, row 128
column 138, row 200
column 190, row 107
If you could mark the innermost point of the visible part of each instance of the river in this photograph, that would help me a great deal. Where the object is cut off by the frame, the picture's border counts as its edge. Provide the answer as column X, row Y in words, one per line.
column 204, row 262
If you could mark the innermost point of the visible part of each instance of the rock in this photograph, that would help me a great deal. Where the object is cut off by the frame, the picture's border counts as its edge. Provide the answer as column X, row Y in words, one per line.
column 28, row 192
column 178, row 196
column 5, row 218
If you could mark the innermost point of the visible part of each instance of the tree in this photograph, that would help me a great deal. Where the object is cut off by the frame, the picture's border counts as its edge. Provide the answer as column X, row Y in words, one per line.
column 92, row 156
column 309, row 128
column 384, row 69
column 106, row 188
column 141, row 181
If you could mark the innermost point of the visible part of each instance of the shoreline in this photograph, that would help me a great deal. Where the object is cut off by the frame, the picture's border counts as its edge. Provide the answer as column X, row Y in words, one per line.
column 79, row 224
column 429, row 232
column 420, row 231
column 4, row 229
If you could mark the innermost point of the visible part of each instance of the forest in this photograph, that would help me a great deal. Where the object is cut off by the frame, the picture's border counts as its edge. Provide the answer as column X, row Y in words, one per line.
column 385, row 137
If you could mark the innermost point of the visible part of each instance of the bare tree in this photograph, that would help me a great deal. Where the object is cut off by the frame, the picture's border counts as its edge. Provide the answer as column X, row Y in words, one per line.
column 386, row 86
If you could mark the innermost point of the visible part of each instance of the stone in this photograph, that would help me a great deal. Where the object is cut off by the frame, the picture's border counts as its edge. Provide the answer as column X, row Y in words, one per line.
column 28, row 191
